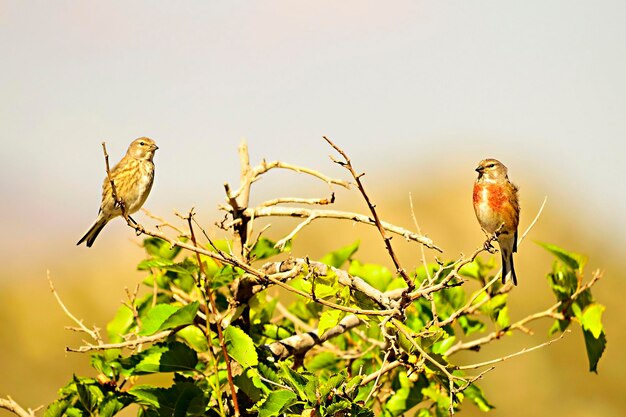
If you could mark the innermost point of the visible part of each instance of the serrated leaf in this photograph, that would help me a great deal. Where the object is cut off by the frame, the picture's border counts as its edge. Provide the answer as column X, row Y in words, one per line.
column 194, row 337
column 250, row 383
column 159, row 248
column 240, row 347
column 265, row 248
column 502, row 317
column 558, row 326
column 442, row 346
column 329, row 319
column 335, row 408
column 377, row 276
column 165, row 357
column 166, row 316
column 121, row 324
column 592, row 319
column 275, row 402
column 323, row 360
column 574, row 261
column 470, row 325
column 333, row 382
column 340, row 256
column 180, row 400
column 476, row 395
column 57, row 408
column 183, row 316
column 110, row 406
column 595, row 348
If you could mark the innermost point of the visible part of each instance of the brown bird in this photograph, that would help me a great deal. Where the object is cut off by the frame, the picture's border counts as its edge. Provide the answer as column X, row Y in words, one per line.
column 497, row 209
column 133, row 177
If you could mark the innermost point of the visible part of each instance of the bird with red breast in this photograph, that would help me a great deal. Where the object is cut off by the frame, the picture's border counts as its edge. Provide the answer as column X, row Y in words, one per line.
column 497, row 209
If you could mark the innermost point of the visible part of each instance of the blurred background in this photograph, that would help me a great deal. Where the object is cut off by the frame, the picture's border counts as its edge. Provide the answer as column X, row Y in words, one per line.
column 417, row 92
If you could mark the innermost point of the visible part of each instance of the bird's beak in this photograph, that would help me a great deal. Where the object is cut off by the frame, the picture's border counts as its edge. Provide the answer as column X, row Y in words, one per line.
column 154, row 147
column 479, row 169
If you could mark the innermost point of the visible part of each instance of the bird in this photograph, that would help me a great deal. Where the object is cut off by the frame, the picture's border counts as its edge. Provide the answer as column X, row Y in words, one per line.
column 133, row 177
column 497, row 209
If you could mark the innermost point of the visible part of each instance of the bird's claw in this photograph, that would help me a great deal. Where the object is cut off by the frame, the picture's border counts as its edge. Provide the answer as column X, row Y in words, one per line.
column 489, row 247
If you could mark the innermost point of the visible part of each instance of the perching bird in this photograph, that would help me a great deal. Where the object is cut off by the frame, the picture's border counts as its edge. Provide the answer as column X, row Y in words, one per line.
column 497, row 209
column 133, row 177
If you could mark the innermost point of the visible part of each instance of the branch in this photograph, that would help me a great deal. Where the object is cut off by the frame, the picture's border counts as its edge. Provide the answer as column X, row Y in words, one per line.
column 512, row 355
column 256, row 172
column 209, row 295
column 299, row 344
column 127, row 344
column 95, row 334
column 10, row 405
column 296, row 200
column 357, row 177
column 343, row 277
column 305, row 213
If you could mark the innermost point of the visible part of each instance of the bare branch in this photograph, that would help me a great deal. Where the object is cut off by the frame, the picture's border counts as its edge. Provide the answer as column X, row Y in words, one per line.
column 10, row 405
column 95, row 334
column 126, row 344
column 336, row 214
column 512, row 355
column 347, row 164
column 296, row 200
column 299, row 344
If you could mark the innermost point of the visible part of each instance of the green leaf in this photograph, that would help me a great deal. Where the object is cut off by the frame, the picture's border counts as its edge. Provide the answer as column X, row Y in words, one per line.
column 340, row 256
column 194, row 337
column 573, row 260
column 121, row 324
column 329, row 319
column 476, row 395
column 595, row 348
column 159, row 248
column 470, row 325
column 405, row 397
column 265, row 248
column 442, row 346
column 184, row 316
column 377, row 276
column 333, row 382
column 323, row 360
column 592, row 319
column 558, row 326
column 250, row 383
column 187, row 266
column 180, row 400
column 323, row 286
column 111, row 406
column 275, row 332
column 57, row 408
column 335, row 408
column 296, row 380
column 275, row 402
column 166, row 316
column 164, row 357
column 88, row 394
column 240, row 347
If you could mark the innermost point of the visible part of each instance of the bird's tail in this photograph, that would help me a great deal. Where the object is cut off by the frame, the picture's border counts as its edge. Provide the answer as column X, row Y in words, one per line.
column 93, row 232
column 508, row 269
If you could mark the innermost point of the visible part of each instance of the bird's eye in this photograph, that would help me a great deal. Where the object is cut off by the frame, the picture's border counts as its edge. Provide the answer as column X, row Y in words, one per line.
column 142, row 143
column 491, row 165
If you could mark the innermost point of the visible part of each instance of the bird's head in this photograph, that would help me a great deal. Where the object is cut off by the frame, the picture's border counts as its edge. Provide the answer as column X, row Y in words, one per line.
column 142, row 148
column 491, row 170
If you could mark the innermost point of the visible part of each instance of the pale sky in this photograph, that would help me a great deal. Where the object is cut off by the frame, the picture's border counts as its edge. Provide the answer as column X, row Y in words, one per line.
column 437, row 84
